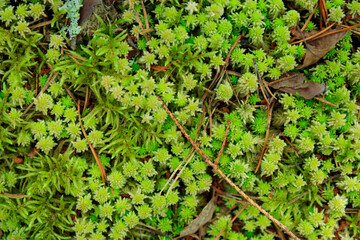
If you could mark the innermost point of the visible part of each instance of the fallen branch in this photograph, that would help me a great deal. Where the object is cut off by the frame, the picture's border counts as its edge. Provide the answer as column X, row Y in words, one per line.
column 223, row 143
column 269, row 114
column 232, row 220
column 98, row 161
column 228, row 180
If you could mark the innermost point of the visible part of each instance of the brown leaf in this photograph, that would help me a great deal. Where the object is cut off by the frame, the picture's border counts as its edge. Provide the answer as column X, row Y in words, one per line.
column 318, row 48
column 87, row 9
column 296, row 84
column 18, row 160
column 33, row 152
column 204, row 217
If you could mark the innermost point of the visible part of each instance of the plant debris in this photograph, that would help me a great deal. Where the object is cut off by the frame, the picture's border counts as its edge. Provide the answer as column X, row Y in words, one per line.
column 295, row 84
column 204, row 217
column 319, row 46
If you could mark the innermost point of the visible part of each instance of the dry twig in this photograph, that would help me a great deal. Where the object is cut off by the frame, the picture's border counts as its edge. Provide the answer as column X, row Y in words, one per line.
column 269, row 114
column 223, row 143
column 227, row 179
column 232, row 220
column 98, row 161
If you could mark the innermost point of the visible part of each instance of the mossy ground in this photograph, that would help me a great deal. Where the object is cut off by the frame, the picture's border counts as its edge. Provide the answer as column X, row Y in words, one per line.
column 88, row 151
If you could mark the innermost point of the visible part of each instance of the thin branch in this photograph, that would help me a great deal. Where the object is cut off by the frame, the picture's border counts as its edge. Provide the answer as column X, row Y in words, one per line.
column 146, row 18
column 222, row 174
column 298, row 197
column 315, row 35
column 232, row 220
column 269, row 114
column 98, row 161
column 232, row 87
column 14, row 196
column 178, row 167
column 47, row 84
column 223, row 143
column 309, row 18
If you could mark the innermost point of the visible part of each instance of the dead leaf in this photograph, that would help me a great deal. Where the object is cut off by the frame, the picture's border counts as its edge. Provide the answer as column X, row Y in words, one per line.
column 204, row 217
column 296, row 84
column 18, row 160
column 87, row 9
column 33, row 152
column 318, row 48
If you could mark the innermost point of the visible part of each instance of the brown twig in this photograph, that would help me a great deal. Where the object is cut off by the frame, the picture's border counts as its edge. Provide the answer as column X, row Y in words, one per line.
column 279, row 80
column 98, row 161
column 223, row 175
column 224, row 142
column 232, row 49
column 41, row 24
column 47, row 84
column 225, row 212
column 14, row 196
column 323, row 100
column 315, row 35
column 337, row 31
column 233, row 73
column 298, row 197
column 288, row 141
column 212, row 92
column 232, row 220
column 178, row 167
column 269, row 114
column 260, row 82
column 138, row 19
column 181, row 171
column 220, row 73
column 87, row 96
column 152, row 229
column 309, row 18
column 70, row 93
column 232, row 87
column 146, row 18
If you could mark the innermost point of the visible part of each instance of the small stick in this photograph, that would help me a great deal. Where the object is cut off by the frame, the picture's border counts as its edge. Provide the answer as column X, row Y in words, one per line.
column 87, row 96
column 281, row 235
column 288, row 141
column 146, row 18
column 177, row 168
column 70, row 93
column 261, row 83
column 279, row 80
column 233, row 73
column 232, row 220
column 212, row 92
column 309, row 18
column 232, row 49
column 225, row 212
column 269, row 114
column 315, row 35
column 268, row 89
column 338, row 31
column 14, row 196
column 221, row 71
column 223, row 175
column 47, row 84
column 321, row 99
column 232, row 87
column 41, row 24
column 178, row 176
column 298, row 197
column 223, row 143
column 98, row 161
column 138, row 18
